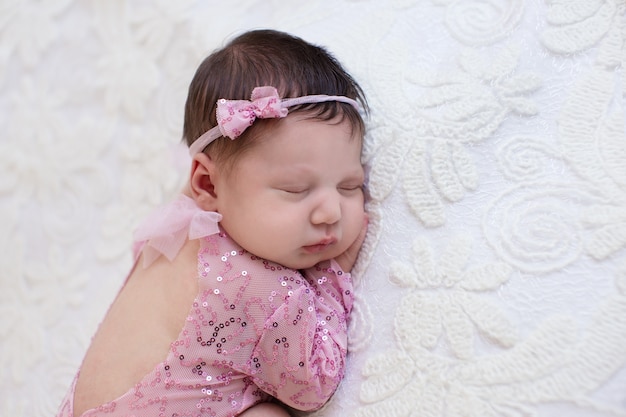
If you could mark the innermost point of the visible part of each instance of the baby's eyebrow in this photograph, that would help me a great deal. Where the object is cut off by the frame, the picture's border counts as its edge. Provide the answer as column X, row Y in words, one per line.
column 357, row 173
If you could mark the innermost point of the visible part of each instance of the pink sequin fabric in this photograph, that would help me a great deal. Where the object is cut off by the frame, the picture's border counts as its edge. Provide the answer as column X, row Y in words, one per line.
column 235, row 116
column 256, row 330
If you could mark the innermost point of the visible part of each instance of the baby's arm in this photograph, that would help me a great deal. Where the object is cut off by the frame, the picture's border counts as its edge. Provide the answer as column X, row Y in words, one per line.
column 300, row 357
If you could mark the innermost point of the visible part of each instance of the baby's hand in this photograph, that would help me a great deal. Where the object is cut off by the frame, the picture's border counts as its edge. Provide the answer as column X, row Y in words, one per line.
column 347, row 259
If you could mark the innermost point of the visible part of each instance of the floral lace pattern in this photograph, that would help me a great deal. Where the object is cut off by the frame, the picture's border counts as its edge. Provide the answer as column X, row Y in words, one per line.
column 493, row 278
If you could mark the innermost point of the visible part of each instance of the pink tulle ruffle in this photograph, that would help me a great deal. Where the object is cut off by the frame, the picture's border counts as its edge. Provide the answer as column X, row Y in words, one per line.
column 165, row 230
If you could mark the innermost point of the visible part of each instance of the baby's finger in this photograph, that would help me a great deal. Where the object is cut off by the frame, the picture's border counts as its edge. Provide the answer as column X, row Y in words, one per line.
column 347, row 259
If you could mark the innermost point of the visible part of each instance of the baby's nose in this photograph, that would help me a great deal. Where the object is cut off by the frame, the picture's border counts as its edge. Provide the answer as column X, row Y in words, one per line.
column 328, row 209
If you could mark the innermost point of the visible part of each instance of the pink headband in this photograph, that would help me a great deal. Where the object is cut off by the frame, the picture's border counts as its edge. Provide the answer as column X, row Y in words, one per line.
column 235, row 116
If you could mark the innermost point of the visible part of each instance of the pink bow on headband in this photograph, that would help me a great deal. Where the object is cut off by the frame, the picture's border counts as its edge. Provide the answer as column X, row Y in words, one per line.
column 235, row 116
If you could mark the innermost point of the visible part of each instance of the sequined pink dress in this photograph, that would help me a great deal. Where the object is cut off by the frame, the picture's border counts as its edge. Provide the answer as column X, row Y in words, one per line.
column 255, row 330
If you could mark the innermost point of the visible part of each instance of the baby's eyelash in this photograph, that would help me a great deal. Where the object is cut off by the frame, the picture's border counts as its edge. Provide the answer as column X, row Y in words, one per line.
column 294, row 190
column 351, row 187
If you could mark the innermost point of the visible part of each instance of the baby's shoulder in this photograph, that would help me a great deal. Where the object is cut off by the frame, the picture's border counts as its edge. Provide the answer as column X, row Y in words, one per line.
column 223, row 260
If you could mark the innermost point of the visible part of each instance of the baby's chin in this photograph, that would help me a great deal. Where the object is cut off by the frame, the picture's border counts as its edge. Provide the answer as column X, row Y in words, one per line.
column 300, row 265
column 304, row 259
column 305, row 263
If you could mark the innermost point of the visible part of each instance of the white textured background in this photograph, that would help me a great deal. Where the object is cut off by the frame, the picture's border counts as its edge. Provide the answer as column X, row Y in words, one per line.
column 493, row 280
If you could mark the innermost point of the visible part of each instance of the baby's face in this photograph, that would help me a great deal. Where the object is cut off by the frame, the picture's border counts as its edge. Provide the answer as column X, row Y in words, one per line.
column 296, row 197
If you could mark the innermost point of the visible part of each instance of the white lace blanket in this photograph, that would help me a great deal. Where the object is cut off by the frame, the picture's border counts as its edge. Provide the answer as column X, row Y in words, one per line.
column 493, row 279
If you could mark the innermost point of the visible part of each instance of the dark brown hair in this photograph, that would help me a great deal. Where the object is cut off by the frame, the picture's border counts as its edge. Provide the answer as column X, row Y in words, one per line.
column 267, row 57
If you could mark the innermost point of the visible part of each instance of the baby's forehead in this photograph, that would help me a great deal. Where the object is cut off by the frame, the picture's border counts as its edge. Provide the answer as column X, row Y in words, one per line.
column 296, row 137
column 309, row 145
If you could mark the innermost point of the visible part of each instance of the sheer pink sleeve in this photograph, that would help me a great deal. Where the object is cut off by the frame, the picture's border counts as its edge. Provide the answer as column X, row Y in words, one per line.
column 300, row 357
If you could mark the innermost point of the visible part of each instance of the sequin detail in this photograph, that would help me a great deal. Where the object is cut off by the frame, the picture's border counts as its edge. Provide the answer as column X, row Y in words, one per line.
column 256, row 329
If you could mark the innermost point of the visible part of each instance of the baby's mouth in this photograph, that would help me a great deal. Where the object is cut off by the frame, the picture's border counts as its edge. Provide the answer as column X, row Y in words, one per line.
column 320, row 246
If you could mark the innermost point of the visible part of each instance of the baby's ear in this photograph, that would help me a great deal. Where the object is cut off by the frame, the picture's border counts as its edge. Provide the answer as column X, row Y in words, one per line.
column 202, row 180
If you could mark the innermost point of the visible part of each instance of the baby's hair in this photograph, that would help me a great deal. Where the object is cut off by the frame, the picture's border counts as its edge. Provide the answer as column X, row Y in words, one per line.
column 267, row 57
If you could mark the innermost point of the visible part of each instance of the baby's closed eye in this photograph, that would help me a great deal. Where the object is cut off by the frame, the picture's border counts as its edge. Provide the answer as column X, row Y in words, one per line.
column 350, row 188
column 293, row 188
